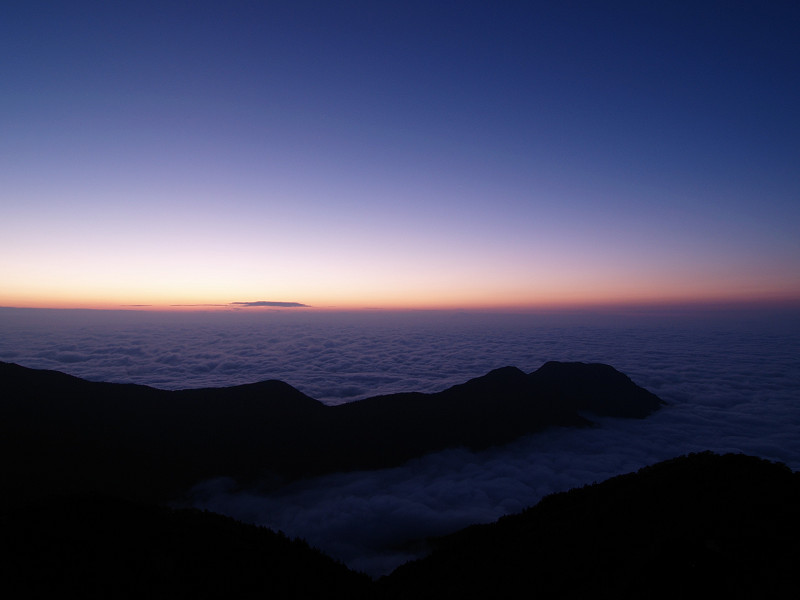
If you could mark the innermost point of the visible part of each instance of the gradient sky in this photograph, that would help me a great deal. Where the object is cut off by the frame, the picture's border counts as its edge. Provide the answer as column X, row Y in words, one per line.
column 398, row 154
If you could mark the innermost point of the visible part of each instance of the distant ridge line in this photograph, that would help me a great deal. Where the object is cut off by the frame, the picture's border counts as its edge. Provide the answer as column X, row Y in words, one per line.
column 152, row 444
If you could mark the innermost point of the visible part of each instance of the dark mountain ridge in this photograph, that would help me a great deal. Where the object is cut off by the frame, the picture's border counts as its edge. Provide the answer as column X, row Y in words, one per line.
column 91, row 546
column 720, row 526
column 60, row 432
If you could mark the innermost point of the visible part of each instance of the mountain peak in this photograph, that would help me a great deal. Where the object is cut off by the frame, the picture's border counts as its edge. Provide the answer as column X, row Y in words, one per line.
column 598, row 388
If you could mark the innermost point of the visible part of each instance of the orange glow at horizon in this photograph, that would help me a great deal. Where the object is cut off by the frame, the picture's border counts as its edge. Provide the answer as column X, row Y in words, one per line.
column 352, row 282
column 184, row 181
column 575, row 300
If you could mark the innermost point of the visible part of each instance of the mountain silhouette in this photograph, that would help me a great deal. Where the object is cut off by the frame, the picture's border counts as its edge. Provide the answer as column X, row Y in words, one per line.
column 103, row 547
column 715, row 526
column 63, row 433
column 720, row 526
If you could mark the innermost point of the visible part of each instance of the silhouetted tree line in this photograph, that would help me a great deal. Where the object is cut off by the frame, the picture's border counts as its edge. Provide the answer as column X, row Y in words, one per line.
column 703, row 525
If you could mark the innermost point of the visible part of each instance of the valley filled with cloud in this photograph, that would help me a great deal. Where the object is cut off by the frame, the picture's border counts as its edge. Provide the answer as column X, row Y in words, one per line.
column 731, row 385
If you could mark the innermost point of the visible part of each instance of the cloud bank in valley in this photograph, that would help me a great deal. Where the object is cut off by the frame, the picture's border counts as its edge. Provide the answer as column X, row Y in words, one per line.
column 731, row 386
column 367, row 519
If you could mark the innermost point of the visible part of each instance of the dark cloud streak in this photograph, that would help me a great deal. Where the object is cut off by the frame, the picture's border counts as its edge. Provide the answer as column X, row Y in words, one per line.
column 177, row 305
column 271, row 303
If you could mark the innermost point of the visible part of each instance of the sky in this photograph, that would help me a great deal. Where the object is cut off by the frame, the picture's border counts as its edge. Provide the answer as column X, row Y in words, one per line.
column 398, row 154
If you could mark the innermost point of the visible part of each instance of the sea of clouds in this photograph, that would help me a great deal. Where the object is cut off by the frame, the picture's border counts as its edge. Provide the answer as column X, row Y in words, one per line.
column 732, row 382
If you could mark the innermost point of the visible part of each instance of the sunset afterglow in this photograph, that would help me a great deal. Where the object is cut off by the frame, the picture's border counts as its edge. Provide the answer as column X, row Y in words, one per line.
column 412, row 155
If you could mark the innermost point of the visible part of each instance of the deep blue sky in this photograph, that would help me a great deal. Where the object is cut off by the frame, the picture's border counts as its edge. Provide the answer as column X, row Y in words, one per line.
column 399, row 154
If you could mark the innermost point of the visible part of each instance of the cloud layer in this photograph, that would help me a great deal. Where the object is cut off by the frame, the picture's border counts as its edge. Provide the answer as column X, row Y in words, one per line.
column 732, row 385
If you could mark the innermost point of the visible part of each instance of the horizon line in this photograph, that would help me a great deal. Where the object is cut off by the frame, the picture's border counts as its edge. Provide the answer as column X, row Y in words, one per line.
column 566, row 307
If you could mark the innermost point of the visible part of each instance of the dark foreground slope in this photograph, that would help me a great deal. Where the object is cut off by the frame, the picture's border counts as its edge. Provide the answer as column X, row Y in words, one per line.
column 64, row 434
column 703, row 526
column 99, row 547
column 716, row 526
